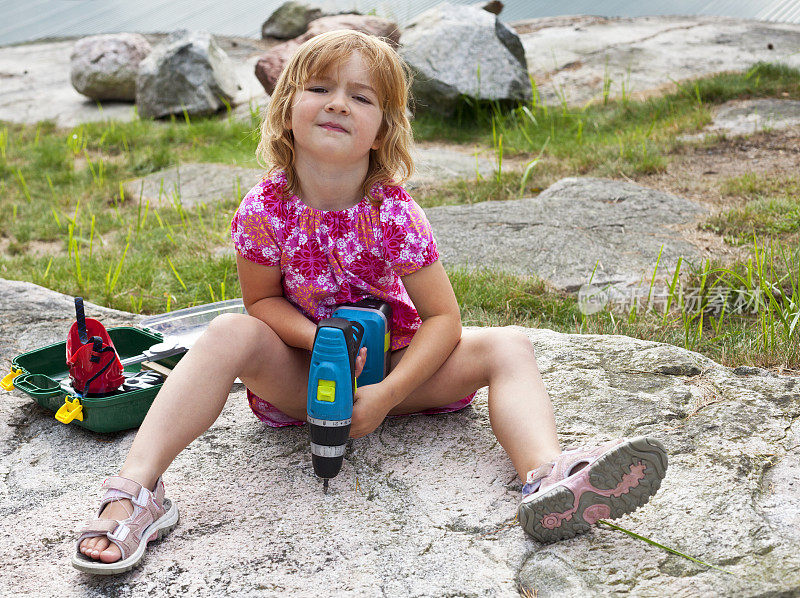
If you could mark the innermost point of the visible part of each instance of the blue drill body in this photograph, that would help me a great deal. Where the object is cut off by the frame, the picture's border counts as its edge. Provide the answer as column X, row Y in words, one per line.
column 331, row 379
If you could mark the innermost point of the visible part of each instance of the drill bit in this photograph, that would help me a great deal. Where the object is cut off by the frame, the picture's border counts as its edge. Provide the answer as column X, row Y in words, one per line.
column 325, row 486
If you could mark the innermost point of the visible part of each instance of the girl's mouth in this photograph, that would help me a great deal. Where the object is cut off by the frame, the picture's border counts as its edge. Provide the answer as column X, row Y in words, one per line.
column 330, row 126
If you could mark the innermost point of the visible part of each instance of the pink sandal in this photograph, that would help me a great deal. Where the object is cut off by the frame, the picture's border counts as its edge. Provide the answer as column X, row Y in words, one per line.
column 566, row 497
column 153, row 516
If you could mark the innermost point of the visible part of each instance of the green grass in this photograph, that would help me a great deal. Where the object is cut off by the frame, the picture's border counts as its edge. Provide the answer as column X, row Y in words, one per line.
column 66, row 225
column 766, row 334
column 611, row 138
column 64, row 186
column 468, row 191
column 771, row 208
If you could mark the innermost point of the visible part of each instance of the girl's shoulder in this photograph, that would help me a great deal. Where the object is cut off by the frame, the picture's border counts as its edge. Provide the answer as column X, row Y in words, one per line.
column 267, row 196
column 398, row 207
column 391, row 194
column 394, row 201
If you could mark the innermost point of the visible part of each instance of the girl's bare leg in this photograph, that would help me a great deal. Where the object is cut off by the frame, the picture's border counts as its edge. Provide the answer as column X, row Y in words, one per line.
column 193, row 397
column 520, row 411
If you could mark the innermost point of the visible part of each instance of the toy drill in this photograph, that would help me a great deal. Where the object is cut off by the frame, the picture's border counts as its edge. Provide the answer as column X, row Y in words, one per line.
column 331, row 377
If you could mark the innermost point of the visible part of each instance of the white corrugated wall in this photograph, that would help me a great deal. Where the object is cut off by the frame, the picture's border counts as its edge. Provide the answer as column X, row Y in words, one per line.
column 24, row 20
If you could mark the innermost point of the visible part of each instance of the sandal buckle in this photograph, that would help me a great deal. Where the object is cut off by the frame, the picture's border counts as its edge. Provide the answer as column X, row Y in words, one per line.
column 142, row 499
column 120, row 533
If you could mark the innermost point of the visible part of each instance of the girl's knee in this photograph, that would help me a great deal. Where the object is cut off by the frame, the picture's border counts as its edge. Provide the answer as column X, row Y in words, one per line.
column 507, row 347
column 241, row 331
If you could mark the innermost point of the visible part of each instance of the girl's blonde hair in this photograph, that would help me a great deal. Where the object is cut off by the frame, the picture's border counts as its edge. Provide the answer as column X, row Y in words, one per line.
column 391, row 163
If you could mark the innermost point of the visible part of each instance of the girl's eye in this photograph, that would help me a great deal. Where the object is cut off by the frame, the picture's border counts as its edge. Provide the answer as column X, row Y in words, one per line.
column 363, row 100
column 316, row 89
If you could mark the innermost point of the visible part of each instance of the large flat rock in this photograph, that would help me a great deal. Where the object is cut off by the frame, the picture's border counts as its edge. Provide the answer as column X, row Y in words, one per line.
column 575, row 227
column 575, row 57
column 195, row 183
column 746, row 117
column 425, row 505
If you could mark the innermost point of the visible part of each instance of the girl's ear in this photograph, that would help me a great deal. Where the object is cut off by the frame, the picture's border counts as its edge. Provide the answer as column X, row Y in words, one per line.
column 380, row 136
column 287, row 120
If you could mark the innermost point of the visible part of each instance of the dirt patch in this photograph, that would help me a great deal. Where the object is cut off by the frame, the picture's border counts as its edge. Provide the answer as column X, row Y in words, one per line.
column 699, row 173
column 34, row 248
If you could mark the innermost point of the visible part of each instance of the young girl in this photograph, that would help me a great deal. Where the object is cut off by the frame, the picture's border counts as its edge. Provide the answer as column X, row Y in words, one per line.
column 331, row 224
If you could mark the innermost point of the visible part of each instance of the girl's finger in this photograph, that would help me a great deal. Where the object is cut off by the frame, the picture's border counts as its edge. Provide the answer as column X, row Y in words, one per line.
column 361, row 360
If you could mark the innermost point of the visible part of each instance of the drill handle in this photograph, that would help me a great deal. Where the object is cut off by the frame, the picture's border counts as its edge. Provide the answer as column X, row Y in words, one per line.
column 354, row 343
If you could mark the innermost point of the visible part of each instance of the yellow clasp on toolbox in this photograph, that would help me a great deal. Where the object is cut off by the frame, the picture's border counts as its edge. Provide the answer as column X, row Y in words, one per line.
column 8, row 380
column 70, row 410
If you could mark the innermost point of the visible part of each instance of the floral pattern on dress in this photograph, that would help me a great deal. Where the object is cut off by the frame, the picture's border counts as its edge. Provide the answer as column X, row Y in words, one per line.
column 332, row 257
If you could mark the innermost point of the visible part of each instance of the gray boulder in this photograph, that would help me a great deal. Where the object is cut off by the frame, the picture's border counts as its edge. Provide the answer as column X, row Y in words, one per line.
column 290, row 20
column 293, row 18
column 188, row 71
column 104, row 67
column 583, row 58
column 576, row 227
column 463, row 50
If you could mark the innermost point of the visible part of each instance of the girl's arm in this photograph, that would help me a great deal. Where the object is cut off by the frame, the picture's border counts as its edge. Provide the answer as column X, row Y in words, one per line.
column 263, row 298
column 433, row 296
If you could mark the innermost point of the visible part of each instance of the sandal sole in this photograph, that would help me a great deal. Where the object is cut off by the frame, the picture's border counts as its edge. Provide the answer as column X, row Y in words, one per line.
column 616, row 484
column 155, row 531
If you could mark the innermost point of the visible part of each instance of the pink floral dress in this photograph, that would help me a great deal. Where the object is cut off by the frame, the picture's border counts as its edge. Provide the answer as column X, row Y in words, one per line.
column 332, row 257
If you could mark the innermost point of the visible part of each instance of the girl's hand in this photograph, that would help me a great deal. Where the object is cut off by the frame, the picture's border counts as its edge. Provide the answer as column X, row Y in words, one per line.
column 369, row 409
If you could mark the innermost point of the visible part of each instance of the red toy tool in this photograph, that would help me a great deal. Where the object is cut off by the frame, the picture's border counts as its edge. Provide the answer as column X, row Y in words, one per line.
column 94, row 367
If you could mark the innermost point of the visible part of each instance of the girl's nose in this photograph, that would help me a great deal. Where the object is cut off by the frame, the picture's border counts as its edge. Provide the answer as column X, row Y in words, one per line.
column 336, row 104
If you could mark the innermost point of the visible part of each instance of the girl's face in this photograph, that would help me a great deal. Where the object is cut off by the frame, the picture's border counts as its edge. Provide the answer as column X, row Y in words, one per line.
column 336, row 116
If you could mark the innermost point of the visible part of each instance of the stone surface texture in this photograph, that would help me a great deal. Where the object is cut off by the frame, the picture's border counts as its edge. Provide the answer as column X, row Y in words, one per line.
column 434, row 163
column 189, row 71
column 463, row 50
column 270, row 65
column 425, row 505
column 104, row 67
column 746, row 117
column 567, row 230
column 575, row 57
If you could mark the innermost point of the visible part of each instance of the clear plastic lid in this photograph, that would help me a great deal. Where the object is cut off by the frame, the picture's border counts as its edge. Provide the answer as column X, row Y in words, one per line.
column 185, row 326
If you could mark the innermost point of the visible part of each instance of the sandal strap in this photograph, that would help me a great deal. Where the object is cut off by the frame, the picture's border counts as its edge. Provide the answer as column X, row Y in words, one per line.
column 116, row 531
column 129, row 487
column 100, row 526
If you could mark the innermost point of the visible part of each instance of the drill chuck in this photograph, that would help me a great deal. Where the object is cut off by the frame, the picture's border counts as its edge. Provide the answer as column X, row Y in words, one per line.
column 328, row 443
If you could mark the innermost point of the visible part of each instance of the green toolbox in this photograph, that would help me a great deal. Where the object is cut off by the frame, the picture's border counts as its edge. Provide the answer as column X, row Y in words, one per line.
column 43, row 373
